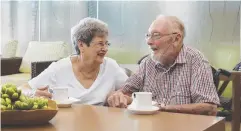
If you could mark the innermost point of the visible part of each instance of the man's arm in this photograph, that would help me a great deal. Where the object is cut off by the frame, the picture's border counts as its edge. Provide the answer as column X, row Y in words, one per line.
column 122, row 97
column 204, row 95
column 196, row 108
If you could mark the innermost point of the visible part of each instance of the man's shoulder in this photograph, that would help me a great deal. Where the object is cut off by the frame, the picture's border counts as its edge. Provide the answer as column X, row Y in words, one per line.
column 194, row 54
column 147, row 63
column 147, row 60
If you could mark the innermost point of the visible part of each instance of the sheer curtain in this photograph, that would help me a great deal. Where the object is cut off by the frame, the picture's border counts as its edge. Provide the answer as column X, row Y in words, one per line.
column 57, row 18
column 6, row 24
column 19, row 23
column 26, row 21
column 211, row 26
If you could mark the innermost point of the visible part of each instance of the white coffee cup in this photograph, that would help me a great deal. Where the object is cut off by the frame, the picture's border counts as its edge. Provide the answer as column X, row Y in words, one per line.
column 60, row 94
column 142, row 100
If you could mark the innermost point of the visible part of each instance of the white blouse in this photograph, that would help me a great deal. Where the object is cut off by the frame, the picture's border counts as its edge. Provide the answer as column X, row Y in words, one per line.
column 60, row 74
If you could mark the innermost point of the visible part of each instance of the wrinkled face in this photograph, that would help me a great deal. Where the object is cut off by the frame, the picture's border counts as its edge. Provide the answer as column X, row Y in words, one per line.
column 161, row 40
column 96, row 51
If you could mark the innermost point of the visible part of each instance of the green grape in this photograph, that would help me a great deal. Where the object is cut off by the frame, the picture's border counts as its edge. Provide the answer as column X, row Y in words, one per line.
column 18, row 104
column 9, row 107
column 5, row 96
column 19, row 92
column 15, row 96
column 35, row 107
column 4, row 89
column 10, row 91
column 45, row 107
column 22, row 98
column 3, row 107
column 8, row 101
column 3, row 102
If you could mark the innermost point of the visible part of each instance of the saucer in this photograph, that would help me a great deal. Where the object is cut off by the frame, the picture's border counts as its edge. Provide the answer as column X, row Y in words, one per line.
column 149, row 111
column 67, row 103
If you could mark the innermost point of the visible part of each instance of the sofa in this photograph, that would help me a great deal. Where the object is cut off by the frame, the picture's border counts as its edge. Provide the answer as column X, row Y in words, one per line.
column 18, row 70
column 10, row 70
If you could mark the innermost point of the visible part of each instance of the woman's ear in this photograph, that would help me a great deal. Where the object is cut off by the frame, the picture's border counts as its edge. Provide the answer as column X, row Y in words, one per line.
column 81, row 46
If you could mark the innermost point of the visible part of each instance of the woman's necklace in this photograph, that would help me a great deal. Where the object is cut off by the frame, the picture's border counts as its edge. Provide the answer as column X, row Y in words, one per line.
column 89, row 75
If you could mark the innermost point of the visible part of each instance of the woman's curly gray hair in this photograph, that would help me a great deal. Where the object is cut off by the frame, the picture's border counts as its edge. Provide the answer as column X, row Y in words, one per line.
column 86, row 30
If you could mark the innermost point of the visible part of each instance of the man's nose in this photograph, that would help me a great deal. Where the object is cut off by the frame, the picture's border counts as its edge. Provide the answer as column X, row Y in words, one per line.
column 149, row 42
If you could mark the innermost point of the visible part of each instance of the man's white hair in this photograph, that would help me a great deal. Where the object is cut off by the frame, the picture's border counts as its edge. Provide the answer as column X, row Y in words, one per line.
column 175, row 23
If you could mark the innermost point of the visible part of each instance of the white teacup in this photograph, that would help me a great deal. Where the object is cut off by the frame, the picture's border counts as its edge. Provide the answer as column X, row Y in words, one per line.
column 142, row 100
column 60, row 94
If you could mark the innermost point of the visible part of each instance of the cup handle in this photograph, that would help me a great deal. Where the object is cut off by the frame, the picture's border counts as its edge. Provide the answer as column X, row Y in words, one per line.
column 133, row 95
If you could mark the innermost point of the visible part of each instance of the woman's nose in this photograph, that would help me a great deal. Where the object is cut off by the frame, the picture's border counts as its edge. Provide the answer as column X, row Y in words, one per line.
column 105, row 48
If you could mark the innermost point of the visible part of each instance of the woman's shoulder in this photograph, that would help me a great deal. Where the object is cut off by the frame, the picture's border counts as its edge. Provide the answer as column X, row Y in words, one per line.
column 62, row 63
column 111, row 62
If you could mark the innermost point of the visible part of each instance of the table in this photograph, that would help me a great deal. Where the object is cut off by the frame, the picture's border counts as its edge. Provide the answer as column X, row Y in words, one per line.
column 99, row 118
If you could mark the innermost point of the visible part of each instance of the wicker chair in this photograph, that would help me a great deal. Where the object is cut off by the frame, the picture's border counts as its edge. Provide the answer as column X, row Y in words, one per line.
column 38, row 67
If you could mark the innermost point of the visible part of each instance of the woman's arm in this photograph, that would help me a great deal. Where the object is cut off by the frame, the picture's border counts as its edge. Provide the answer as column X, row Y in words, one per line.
column 39, row 85
column 39, row 92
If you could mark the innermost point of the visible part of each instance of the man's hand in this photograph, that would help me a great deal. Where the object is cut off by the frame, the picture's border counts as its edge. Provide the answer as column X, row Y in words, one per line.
column 118, row 99
column 43, row 92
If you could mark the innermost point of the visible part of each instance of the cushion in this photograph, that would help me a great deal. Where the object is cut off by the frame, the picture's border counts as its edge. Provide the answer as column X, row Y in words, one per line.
column 43, row 51
column 18, row 79
column 9, row 49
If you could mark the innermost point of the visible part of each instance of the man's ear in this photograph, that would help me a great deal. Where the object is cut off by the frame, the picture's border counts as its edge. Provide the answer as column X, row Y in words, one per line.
column 177, row 39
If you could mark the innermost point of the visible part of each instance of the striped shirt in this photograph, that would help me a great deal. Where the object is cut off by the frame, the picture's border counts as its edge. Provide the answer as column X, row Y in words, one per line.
column 188, row 80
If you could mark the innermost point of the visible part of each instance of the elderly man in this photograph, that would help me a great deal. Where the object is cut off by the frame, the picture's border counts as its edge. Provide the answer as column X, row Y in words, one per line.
column 179, row 77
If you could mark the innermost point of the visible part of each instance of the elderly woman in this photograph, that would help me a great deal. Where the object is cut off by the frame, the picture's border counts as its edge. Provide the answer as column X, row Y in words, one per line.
column 89, row 75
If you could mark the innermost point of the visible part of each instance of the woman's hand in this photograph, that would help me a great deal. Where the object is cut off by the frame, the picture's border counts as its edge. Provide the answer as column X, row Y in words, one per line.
column 43, row 92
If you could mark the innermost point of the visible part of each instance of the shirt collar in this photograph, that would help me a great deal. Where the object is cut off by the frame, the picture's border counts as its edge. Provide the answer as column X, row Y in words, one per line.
column 181, row 58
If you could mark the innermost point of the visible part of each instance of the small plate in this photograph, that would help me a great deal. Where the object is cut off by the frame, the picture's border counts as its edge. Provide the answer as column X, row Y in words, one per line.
column 67, row 103
column 152, row 110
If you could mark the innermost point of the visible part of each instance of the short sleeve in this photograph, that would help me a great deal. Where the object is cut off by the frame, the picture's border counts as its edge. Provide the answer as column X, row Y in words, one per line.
column 135, row 82
column 121, row 77
column 202, row 88
column 46, row 78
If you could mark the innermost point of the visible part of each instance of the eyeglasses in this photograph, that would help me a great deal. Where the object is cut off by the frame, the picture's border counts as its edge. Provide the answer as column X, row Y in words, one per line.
column 101, row 44
column 156, row 35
